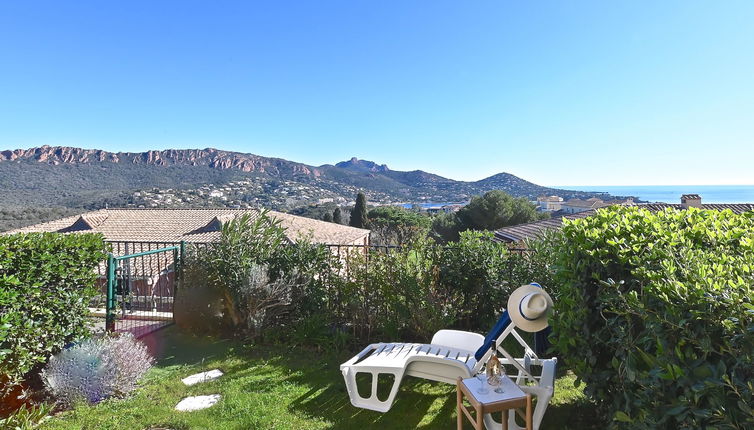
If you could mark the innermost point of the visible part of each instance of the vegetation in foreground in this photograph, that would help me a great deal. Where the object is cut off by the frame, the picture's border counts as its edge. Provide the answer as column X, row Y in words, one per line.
column 46, row 282
column 655, row 315
column 274, row 387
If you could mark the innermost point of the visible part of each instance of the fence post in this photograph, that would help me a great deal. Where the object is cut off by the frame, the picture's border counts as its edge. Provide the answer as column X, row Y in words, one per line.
column 110, row 300
column 181, row 257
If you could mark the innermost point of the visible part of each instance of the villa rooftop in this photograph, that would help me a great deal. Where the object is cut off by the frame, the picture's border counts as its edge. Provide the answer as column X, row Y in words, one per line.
column 191, row 225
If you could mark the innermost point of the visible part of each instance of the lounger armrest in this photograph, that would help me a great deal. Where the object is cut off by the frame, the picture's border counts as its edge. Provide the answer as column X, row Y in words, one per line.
column 457, row 339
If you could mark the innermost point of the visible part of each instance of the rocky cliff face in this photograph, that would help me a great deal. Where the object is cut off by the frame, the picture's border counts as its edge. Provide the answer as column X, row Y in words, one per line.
column 59, row 154
column 363, row 165
column 210, row 157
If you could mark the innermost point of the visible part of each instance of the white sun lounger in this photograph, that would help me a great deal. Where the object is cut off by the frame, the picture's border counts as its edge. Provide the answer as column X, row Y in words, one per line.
column 450, row 354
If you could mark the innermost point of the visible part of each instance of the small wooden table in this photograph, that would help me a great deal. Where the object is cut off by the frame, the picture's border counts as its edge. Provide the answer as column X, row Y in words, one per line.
column 511, row 398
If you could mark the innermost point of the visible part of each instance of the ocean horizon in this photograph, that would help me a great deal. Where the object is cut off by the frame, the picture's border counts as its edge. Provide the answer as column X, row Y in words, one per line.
column 672, row 193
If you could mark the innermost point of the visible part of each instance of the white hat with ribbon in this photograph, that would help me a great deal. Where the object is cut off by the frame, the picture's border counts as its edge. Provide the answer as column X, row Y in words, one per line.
column 529, row 307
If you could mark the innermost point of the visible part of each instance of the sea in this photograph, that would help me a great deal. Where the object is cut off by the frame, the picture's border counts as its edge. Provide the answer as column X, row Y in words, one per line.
column 672, row 193
column 431, row 205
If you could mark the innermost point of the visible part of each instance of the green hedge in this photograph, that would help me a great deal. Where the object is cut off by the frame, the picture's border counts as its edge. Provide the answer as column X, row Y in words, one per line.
column 655, row 315
column 413, row 291
column 359, row 296
column 46, row 282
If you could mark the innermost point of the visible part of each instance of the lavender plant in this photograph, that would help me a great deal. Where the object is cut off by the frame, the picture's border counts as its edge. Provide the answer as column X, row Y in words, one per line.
column 97, row 369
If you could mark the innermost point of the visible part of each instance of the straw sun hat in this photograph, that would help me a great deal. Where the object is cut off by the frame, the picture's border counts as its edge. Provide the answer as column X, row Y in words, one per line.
column 529, row 307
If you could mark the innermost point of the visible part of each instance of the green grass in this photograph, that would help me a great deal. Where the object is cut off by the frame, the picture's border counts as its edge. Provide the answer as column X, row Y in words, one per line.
column 280, row 388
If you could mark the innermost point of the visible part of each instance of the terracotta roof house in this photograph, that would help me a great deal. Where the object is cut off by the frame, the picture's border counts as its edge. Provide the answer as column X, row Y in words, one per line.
column 191, row 225
column 520, row 232
column 149, row 280
column 532, row 230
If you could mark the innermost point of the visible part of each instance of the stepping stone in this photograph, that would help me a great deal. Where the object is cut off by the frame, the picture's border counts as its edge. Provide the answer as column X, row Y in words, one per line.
column 197, row 403
column 202, row 377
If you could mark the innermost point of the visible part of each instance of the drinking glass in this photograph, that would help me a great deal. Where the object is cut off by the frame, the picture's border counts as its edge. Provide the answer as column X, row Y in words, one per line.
column 482, row 378
column 495, row 380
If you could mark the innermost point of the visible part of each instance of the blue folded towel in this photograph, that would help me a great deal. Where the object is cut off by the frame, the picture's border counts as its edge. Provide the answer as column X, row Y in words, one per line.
column 496, row 332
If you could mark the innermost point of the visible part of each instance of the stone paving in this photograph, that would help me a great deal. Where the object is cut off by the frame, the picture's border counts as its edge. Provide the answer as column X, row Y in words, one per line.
column 202, row 377
column 197, row 403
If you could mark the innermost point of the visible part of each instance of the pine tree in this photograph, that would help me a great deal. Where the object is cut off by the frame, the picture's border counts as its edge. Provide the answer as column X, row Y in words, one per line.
column 337, row 216
column 359, row 212
column 327, row 217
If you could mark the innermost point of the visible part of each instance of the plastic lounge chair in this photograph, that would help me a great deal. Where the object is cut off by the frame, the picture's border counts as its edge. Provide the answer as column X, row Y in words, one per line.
column 450, row 354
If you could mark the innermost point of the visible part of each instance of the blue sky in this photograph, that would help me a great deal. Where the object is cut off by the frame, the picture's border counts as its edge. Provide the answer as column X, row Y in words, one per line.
column 592, row 92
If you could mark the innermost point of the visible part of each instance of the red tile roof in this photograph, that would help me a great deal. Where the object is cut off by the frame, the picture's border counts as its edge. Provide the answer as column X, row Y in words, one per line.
column 517, row 233
column 190, row 225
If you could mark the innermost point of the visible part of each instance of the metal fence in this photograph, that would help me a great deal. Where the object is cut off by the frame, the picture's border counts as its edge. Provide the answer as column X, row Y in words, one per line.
column 138, row 283
column 137, row 287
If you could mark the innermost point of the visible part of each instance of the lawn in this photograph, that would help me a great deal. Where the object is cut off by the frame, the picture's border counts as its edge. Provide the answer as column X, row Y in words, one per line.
column 273, row 387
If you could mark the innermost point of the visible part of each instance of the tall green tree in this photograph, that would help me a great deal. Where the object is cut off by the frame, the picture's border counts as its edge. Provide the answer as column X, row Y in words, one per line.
column 446, row 227
column 392, row 225
column 494, row 210
column 337, row 216
column 359, row 212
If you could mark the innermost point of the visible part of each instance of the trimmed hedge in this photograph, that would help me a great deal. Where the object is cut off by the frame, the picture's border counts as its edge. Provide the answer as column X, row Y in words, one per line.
column 655, row 315
column 46, row 282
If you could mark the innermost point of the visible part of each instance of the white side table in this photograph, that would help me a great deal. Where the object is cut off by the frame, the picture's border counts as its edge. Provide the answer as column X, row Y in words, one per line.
column 511, row 398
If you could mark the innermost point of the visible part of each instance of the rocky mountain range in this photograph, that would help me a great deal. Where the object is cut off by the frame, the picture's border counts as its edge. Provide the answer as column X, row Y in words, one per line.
column 76, row 177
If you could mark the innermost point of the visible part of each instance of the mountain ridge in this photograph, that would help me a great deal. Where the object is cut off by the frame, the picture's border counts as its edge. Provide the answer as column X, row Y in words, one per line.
column 70, row 176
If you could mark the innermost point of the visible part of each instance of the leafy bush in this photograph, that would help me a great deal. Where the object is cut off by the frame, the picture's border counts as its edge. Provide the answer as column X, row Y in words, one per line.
column 312, row 295
column 655, row 314
column 477, row 267
column 46, row 282
column 26, row 418
column 393, row 294
column 412, row 292
column 97, row 369
column 311, row 270
column 262, row 280
column 233, row 263
column 393, row 225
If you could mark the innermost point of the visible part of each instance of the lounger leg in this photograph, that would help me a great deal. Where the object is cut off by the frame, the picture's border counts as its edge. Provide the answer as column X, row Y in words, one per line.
column 372, row 402
column 459, row 405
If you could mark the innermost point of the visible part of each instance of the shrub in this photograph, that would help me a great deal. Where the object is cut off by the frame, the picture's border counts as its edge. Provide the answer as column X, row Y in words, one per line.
column 477, row 268
column 97, row 369
column 394, row 294
column 26, row 418
column 416, row 290
column 312, row 270
column 232, row 264
column 655, row 314
column 276, row 288
column 46, row 283
column 261, row 280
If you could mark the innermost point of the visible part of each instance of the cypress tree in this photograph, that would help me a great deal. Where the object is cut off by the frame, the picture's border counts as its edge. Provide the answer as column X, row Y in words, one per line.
column 359, row 212
column 337, row 216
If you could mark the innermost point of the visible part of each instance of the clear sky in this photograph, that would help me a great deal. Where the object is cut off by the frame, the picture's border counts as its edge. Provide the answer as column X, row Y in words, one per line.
column 591, row 92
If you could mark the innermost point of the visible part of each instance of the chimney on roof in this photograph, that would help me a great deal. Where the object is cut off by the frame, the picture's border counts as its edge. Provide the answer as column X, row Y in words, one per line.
column 691, row 201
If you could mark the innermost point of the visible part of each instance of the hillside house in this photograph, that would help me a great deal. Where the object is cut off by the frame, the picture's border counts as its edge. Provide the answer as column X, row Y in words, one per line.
column 549, row 203
column 574, row 206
